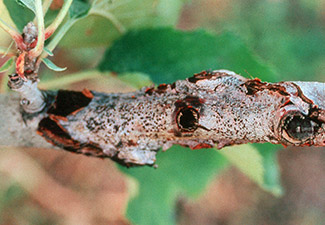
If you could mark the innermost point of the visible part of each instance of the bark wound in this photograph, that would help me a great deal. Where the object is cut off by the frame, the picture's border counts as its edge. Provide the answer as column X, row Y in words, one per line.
column 300, row 129
column 162, row 88
column 188, row 113
column 187, row 119
column 67, row 103
column 70, row 102
column 255, row 85
column 202, row 76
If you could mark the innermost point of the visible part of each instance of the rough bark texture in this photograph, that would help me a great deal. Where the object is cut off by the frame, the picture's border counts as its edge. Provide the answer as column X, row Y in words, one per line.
column 218, row 108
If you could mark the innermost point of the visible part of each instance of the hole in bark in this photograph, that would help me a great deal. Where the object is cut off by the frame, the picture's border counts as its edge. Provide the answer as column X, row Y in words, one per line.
column 187, row 119
column 300, row 128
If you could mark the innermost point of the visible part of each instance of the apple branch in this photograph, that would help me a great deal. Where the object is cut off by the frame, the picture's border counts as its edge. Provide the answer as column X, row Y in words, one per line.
column 210, row 109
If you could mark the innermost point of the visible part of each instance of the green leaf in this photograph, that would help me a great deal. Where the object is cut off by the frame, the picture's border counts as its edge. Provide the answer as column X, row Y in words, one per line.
column 19, row 14
column 52, row 66
column 48, row 51
column 137, row 80
column 7, row 65
column 107, row 20
column 248, row 160
column 181, row 172
column 13, row 193
column 168, row 55
column 29, row 4
column 79, row 9
column 272, row 182
column 259, row 163
column 280, row 35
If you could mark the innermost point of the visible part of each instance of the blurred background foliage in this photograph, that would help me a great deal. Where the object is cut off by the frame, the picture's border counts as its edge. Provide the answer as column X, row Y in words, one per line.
column 122, row 45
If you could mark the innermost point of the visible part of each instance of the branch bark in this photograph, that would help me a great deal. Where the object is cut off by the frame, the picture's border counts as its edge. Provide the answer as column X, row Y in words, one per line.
column 14, row 130
column 218, row 108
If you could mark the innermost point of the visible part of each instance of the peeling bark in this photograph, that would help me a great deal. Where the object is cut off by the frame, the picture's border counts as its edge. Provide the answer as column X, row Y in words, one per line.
column 218, row 108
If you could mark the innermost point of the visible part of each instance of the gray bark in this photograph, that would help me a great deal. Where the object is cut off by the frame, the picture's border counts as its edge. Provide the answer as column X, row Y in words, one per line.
column 14, row 131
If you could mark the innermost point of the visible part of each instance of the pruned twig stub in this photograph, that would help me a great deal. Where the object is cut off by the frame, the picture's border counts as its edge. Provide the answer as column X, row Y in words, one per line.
column 218, row 108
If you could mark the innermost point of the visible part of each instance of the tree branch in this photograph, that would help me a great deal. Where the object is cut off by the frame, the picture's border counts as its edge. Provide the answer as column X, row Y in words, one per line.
column 218, row 108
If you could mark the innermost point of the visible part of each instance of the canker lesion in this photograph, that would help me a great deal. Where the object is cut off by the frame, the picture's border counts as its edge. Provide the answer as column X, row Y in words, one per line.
column 187, row 114
column 299, row 129
column 187, row 119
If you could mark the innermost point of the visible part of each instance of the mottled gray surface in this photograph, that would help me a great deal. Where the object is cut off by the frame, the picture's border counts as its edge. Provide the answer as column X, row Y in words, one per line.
column 134, row 126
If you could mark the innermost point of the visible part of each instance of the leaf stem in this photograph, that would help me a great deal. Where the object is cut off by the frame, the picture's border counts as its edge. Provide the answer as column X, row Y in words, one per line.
column 35, row 52
column 58, row 20
column 69, row 79
column 15, row 35
column 116, row 23
column 46, row 6
column 6, row 52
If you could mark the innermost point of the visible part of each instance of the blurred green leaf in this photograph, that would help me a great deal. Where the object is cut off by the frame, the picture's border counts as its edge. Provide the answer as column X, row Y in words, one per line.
column 79, row 9
column 12, row 193
column 137, row 80
column 19, row 14
column 288, row 34
column 49, row 64
column 107, row 20
column 271, row 180
column 167, row 54
column 180, row 172
column 7, row 65
column 258, row 162
column 248, row 160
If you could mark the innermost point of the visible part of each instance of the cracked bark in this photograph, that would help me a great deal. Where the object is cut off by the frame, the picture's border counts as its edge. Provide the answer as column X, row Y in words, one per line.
column 218, row 108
